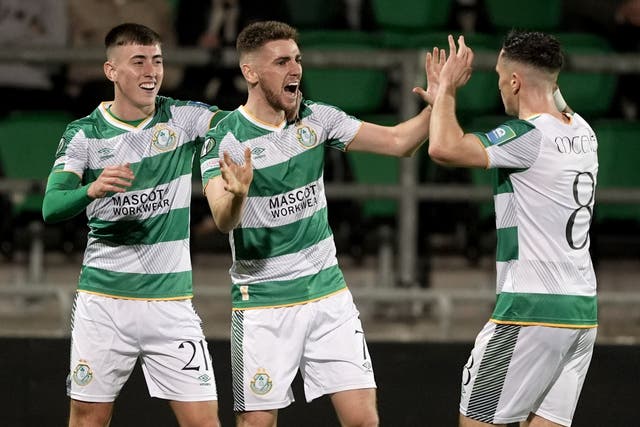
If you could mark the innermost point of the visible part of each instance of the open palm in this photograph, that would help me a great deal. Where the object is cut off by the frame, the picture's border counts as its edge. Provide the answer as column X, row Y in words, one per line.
column 236, row 177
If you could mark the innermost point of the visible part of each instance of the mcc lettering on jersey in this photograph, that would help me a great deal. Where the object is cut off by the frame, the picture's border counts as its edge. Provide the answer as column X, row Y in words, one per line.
column 577, row 144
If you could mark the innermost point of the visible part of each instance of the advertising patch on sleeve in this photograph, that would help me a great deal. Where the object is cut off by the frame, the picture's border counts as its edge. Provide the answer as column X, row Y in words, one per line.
column 500, row 135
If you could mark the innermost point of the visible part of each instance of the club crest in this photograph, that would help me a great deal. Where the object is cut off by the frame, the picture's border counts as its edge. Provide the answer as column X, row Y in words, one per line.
column 306, row 136
column 261, row 383
column 82, row 374
column 164, row 138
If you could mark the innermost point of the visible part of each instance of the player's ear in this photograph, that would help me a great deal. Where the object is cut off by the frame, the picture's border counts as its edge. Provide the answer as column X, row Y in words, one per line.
column 249, row 73
column 109, row 71
column 516, row 82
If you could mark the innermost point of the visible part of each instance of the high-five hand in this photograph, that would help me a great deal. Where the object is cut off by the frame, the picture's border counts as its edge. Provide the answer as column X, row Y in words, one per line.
column 432, row 66
column 456, row 71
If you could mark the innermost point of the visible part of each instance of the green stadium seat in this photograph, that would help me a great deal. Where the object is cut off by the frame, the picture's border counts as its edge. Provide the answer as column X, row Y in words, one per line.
column 541, row 15
column 313, row 14
column 618, row 154
column 411, row 15
column 27, row 149
column 368, row 168
column 591, row 94
column 355, row 90
column 375, row 169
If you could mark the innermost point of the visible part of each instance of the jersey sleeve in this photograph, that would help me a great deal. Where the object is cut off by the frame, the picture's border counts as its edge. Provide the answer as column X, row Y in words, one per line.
column 513, row 145
column 341, row 128
column 65, row 197
column 200, row 117
column 71, row 155
column 209, row 156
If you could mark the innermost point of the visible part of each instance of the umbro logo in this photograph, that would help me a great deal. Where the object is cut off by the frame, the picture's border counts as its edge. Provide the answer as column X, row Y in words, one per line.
column 105, row 153
column 257, row 152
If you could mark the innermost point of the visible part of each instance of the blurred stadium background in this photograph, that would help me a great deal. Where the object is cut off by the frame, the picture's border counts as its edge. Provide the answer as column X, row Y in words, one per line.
column 416, row 240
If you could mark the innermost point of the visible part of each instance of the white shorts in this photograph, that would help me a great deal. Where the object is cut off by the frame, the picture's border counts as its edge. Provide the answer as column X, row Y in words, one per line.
column 108, row 335
column 516, row 370
column 323, row 338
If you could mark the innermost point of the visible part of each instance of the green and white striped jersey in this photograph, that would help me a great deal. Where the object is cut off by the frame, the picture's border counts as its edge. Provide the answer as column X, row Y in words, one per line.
column 544, row 191
column 283, row 249
column 138, row 243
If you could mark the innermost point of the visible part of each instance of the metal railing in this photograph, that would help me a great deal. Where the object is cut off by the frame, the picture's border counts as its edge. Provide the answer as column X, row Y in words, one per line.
column 443, row 303
column 409, row 66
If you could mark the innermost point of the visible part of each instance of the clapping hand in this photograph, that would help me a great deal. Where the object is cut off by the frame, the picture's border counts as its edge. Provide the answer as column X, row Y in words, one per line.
column 237, row 178
column 112, row 179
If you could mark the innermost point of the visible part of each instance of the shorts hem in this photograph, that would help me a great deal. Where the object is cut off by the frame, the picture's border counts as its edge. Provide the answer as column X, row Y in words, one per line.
column 553, row 418
column 495, row 420
column 508, row 420
column 92, row 399
column 327, row 391
column 265, row 406
column 186, row 398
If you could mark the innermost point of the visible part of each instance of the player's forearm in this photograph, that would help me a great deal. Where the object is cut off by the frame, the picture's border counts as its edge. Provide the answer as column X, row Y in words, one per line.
column 413, row 133
column 64, row 197
column 445, row 132
column 227, row 211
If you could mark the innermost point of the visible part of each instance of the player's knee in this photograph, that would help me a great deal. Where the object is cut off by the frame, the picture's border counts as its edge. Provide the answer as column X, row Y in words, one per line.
column 368, row 419
column 89, row 414
column 371, row 421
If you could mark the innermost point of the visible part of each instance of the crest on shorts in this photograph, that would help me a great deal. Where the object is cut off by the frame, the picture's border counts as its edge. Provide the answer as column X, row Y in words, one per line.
column 164, row 138
column 306, row 136
column 82, row 374
column 261, row 383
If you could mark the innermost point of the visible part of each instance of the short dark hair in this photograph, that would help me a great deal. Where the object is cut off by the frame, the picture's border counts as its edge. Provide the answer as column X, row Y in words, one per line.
column 130, row 33
column 255, row 35
column 534, row 48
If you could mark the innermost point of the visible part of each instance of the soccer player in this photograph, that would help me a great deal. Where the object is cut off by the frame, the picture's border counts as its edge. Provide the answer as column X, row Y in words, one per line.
column 530, row 360
column 128, row 164
column 262, row 176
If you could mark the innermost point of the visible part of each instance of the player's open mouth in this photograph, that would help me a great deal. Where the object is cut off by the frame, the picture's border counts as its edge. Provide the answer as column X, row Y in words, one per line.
column 148, row 86
column 292, row 88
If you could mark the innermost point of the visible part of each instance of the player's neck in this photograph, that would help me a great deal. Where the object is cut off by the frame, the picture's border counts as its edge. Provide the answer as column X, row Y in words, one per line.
column 263, row 111
column 538, row 103
column 128, row 112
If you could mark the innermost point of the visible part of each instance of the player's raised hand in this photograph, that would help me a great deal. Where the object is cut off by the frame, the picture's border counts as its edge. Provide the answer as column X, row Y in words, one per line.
column 456, row 71
column 113, row 179
column 237, row 178
column 432, row 66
